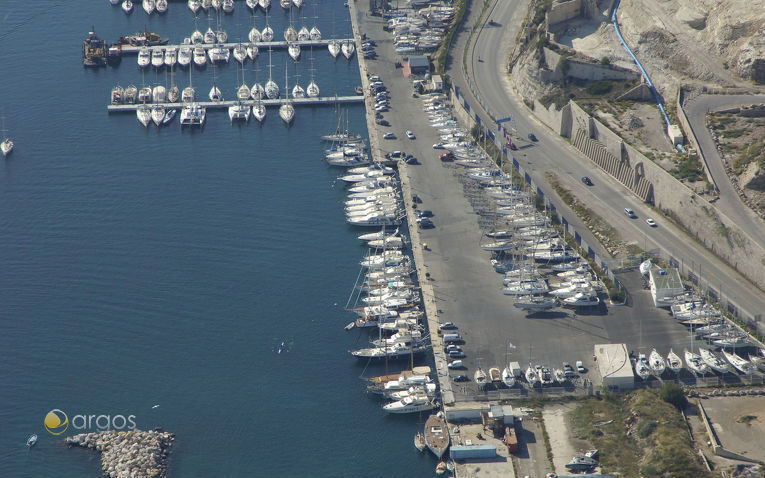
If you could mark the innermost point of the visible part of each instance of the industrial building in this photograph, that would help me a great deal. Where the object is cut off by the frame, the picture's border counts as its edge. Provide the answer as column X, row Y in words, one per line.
column 613, row 361
column 665, row 285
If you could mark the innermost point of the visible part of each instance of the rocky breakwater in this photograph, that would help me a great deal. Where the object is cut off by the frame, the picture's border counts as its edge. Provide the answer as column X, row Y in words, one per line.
column 128, row 454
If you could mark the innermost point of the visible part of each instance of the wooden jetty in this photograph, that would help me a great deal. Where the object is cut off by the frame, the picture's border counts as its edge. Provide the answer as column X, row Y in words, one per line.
column 327, row 100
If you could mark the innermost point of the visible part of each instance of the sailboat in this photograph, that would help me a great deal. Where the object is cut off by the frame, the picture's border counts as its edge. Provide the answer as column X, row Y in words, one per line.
column 240, row 53
column 436, row 434
column 297, row 90
column 7, row 145
column 158, row 114
column 303, row 34
column 294, row 51
column 143, row 113
column 188, row 95
column 252, row 51
column 694, row 362
column 161, row 6
column 531, row 376
column 215, row 93
column 312, row 91
column 334, row 48
column 508, row 378
column 286, row 110
column 713, row 361
column 673, row 362
column 127, row 6
column 348, row 48
column 271, row 89
column 264, row 4
column 480, row 378
column 641, row 367
column 739, row 363
column 268, row 33
column 656, row 362
column 194, row 5
column 252, row 4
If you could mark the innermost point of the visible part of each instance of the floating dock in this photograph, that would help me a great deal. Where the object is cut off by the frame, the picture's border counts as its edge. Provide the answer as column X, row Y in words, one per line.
column 274, row 45
column 327, row 100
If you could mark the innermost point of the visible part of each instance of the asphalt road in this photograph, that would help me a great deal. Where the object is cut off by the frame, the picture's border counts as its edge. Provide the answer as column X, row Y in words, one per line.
column 492, row 45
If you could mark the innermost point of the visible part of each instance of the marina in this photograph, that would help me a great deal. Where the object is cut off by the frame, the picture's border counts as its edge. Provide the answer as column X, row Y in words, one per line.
column 275, row 45
column 127, row 108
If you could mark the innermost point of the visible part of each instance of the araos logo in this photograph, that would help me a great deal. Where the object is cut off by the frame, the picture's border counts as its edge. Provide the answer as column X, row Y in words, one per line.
column 56, row 422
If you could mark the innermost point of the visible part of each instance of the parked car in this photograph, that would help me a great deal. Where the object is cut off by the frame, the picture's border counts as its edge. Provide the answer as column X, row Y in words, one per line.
column 389, row 136
column 580, row 367
column 425, row 213
column 454, row 364
column 409, row 134
column 586, row 180
column 447, row 326
column 630, row 213
column 416, row 199
column 438, row 146
column 382, row 122
column 455, row 354
column 532, row 137
column 425, row 223
column 460, row 378
column 396, row 154
column 447, row 156
column 650, row 222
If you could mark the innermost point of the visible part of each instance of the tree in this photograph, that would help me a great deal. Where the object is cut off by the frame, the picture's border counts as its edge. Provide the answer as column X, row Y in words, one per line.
column 605, row 61
column 673, row 393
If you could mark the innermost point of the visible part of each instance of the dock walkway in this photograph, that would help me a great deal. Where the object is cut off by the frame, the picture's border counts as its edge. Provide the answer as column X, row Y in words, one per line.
column 275, row 45
column 327, row 100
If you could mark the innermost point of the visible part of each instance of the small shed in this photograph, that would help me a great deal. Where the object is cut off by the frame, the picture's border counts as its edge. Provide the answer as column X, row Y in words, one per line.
column 436, row 83
column 419, row 65
column 665, row 285
column 467, row 452
column 675, row 134
column 615, row 367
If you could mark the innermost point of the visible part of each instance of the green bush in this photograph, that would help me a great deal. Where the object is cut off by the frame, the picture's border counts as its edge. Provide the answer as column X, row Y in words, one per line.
column 605, row 61
column 673, row 394
column 646, row 427
column 599, row 87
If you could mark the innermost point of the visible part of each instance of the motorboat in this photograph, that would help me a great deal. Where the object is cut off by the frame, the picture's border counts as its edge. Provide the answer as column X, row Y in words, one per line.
column 228, row 6
column 145, row 94
column 161, row 6
column 695, row 363
column 169, row 116
column 290, row 34
column 411, row 404
column 531, row 376
column 194, row 5
column 560, row 376
column 144, row 57
column 534, row 303
column 400, row 350
column 240, row 53
column 739, row 363
column 6, row 147
column 171, row 56
column 419, row 442
column 131, row 94
column 200, row 56
column 480, row 378
column 157, row 57
column 143, row 113
column 193, row 114
column 713, row 361
column 294, row 51
column 334, row 48
column 673, row 362
column 348, row 48
column 507, row 377
column 436, row 435
column 441, row 468
column 315, row 34
column 641, row 367
column 149, row 6
column 118, row 94
column 656, row 362
column 259, row 111
column 159, row 94
column 581, row 463
column 239, row 111
column 31, row 441
column 532, row 286
column 158, row 114
column 495, row 376
column 127, row 6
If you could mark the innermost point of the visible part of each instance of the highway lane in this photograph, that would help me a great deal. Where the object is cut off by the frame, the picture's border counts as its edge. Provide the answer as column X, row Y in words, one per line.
column 552, row 153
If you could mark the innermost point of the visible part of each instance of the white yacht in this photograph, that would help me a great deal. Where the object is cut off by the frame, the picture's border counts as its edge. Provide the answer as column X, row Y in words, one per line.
column 193, row 114
column 480, row 378
column 713, row 361
column 228, row 6
column 200, row 56
column 127, row 6
column 349, row 161
column 413, row 404
column 171, row 56
column 144, row 57
column 507, row 377
column 158, row 114
column 581, row 299
column 239, row 112
column 143, row 113
column 256, row 92
column 294, row 51
column 157, row 57
column 695, row 363
column 312, row 91
column 215, row 94
column 334, row 48
column 673, row 362
column 240, row 53
column 259, row 111
column 533, row 303
column 209, row 36
column 194, row 5
column 188, row 95
column 243, row 92
column 641, row 367
column 348, row 48
column 6, row 146
column 149, row 6
column 265, row 5
column 267, row 34
column 525, row 287
column 315, row 34
column 161, row 6
column 287, row 112
column 196, row 38
column 159, row 94
column 303, row 34
column 298, row 92
column 531, row 376
column 739, row 363
column 290, row 34
column 184, row 55
column 219, row 53
column 656, row 362
column 254, row 34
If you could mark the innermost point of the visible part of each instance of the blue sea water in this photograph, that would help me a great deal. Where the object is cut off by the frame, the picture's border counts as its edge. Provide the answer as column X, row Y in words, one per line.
column 142, row 267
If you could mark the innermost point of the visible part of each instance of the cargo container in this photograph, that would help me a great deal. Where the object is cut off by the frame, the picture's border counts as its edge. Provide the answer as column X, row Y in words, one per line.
column 467, row 452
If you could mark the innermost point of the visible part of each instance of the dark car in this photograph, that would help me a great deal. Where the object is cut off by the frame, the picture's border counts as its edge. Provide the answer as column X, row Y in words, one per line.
column 416, row 199
column 587, row 181
column 425, row 213
column 532, row 137
column 425, row 223
column 456, row 354
column 383, row 122
column 447, row 157
column 411, row 160
column 513, row 147
column 460, row 378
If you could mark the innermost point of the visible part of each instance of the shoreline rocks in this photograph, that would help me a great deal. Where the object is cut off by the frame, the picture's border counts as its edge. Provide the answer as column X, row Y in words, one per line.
column 128, row 454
